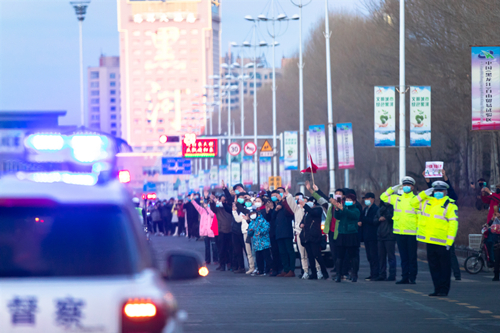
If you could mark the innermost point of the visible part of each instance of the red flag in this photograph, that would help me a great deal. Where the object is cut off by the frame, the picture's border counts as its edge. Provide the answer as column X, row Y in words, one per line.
column 313, row 168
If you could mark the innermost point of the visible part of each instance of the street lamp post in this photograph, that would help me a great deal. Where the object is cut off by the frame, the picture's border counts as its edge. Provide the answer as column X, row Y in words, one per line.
column 274, row 19
column 301, row 93
column 402, row 90
column 331, row 158
column 80, row 11
column 255, row 45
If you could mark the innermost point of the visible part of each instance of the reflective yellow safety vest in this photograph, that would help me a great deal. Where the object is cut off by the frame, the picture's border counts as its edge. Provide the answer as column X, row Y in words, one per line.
column 405, row 216
column 438, row 221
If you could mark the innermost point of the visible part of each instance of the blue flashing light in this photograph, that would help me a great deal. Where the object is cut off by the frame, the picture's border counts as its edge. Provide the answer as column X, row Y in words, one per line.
column 45, row 142
column 89, row 148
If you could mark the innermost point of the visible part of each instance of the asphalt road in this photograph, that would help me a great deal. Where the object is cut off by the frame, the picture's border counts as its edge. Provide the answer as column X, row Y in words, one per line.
column 228, row 302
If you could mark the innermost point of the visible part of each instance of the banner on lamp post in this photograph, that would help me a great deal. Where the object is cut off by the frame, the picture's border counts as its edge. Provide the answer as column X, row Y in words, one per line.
column 385, row 116
column 265, row 170
column 485, row 85
column 214, row 175
column 345, row 146
column 224, row 174
column 286, row 175
column 291, row 151
column 317, row 146
column 247, row 170
column 235, row 173
column 420, row 116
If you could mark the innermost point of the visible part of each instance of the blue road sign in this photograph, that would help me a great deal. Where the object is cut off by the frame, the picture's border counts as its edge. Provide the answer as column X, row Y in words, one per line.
column 175, row 166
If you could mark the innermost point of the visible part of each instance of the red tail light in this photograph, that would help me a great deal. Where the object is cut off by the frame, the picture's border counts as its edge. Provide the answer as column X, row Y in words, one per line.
column 144, row 316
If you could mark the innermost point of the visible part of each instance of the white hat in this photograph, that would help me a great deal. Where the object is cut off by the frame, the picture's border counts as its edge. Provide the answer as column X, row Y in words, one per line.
column 408, row 180
column 440, row 185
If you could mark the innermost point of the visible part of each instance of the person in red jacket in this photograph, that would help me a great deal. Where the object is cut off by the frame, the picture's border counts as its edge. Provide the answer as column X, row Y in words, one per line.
column 492, row 199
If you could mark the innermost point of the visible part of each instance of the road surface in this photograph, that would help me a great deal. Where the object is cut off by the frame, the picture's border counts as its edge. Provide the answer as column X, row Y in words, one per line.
column 228, row 302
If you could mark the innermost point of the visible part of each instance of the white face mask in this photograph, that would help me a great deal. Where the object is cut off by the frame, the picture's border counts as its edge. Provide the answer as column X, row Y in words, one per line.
column 258, row 204
column 253, row 216
column 310, row 204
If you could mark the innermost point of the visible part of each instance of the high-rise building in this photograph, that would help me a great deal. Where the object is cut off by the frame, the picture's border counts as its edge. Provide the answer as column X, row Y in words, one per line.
column 104, row 96
column 168, row 49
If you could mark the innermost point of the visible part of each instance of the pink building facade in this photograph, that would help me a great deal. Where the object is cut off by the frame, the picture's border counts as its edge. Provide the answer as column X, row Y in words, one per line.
column 167, row 51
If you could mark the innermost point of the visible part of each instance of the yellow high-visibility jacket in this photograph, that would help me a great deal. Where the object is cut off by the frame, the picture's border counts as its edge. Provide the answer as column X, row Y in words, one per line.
column 405, row 216
column 438, row 221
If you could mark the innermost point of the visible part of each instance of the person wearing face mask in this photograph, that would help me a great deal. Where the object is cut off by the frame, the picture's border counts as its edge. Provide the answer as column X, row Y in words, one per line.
column 206, row 220
column 243, row 220
column 347, row 242
column 455, row 266
column 192, row 218
column 238, row 264
column 405, row 227
column 224, row 216
column 369, row 227
column 437, row 227
column 330, row 221
column 284, row 234
column 311, row 237
column 258, row 230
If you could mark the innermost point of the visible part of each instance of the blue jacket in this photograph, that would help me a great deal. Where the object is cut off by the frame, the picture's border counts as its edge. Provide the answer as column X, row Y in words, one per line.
column 259, row 230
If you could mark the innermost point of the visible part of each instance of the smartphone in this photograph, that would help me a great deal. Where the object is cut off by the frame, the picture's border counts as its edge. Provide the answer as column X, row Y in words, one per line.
column 331, row 196
column 301, row 197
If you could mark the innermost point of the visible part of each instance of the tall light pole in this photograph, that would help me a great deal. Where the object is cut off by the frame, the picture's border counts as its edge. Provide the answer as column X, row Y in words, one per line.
column 272, row 33
column 402, row 90
column 80, row 10
column 300, row 4
column 255, row 44
column 331, row 157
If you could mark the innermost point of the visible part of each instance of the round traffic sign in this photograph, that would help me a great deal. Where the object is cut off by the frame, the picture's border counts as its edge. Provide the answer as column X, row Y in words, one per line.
column 250, row 148
column 234, row 149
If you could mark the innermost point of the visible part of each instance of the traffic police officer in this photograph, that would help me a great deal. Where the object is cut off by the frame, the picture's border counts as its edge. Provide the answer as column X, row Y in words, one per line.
column 437, row 226
column 405, row 227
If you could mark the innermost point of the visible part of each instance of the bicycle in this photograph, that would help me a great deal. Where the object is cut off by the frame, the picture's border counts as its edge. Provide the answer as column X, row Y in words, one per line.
column 475, row 262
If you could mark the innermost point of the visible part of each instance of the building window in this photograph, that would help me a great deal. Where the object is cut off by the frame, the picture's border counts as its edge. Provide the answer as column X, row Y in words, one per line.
column 94, row 93
column 245, row 91
column 265, row 77
column 95, row 109
column 95, row 125
column 112, row 92
column 245, row 84
column 95, row 117
column 113, row 125
column 194, row 32
column 94, row 101
column 112, row 76
column 251, row 92
column 113, row 100
column 94, row 84
column 161, row 130
column 113, row 133
column 160, row 121
column 94, row 75
column 113, row 116
column 113, row 108
column 259, row 84
column 112, row 84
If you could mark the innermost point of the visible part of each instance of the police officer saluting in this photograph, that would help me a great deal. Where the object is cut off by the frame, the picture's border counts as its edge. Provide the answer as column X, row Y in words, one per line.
column 405, row 227
column 437, row 226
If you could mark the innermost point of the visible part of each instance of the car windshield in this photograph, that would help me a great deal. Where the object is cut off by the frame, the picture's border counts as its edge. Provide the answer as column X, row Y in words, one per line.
column 65, row 241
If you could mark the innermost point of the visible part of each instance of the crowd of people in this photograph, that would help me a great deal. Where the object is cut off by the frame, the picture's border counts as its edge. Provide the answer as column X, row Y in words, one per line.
column 264, row 226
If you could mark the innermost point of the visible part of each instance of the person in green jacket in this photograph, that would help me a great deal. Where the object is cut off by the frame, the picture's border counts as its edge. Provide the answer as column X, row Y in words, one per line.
column 347, row 242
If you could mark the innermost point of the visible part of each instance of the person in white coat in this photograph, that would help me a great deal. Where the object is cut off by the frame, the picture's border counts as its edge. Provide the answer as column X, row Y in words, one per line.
column 299, row 213
column 243, row 219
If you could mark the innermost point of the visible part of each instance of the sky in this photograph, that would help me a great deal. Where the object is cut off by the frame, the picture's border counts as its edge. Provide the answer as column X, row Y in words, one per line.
column 39, row 52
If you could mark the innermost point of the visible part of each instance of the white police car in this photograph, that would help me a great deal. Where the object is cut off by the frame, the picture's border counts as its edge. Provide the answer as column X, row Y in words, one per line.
column 73, row 258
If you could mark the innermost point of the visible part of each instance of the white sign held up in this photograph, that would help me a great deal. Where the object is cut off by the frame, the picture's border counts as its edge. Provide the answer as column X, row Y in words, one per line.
column 434, row 169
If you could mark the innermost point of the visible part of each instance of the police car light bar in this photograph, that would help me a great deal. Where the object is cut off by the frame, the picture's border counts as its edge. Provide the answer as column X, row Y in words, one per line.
column 88, row 179
column 46, row 141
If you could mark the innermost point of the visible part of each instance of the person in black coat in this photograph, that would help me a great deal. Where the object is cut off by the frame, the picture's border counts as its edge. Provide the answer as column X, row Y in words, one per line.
column 386, row 242
column 283, row 217
column 311, row 236
column 369, row 227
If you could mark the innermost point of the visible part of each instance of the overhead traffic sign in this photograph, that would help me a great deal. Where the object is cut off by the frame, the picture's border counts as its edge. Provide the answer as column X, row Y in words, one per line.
column 175, row 166
column 266, row 150
column 250, row 148
column 234, row 149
